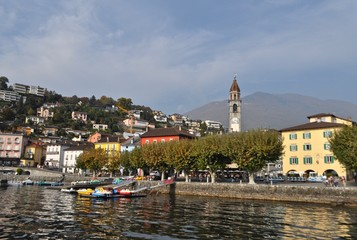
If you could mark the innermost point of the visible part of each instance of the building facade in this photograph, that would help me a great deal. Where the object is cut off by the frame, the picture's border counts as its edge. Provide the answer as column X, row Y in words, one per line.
column 25, row 89
column 234, row 103
column 164, row 135
column 307, row 147
column 55, row 154
column 12, row 146
column 71, row 155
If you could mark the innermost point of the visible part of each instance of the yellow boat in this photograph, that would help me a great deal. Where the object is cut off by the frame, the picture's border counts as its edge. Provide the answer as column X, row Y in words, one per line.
column 85, row 192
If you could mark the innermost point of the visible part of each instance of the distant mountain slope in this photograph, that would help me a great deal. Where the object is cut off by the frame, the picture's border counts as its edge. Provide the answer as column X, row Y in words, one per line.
column 277, row 111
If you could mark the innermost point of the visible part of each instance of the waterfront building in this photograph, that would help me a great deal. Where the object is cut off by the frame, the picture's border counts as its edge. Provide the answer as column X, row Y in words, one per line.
column 33, row 154
column 307, row 147
column 111, row 144
column 164, row 135
column 71, row 155
column 12, row 146
column 55, row 154
column 130, row 144
column 234, row 103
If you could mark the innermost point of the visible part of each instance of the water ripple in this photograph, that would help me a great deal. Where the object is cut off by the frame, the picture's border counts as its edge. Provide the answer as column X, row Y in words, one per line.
column 34, row 212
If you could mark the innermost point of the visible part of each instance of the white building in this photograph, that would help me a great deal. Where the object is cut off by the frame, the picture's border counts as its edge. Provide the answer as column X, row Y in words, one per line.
column 55, row 154
column 71, row 155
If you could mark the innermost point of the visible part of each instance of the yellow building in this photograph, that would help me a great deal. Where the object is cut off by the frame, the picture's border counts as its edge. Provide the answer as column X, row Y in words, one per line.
column 111, row 144
column 307, row 149
column 33, row 155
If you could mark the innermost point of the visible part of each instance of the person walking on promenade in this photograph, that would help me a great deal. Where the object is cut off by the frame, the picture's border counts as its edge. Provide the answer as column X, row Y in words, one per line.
column 343, row 180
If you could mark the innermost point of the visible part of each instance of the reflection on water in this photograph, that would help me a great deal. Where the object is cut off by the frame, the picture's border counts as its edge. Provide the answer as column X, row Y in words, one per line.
column 32, row 212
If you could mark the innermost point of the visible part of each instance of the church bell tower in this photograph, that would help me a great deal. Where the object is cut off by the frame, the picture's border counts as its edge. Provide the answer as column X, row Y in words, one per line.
column 234, row 107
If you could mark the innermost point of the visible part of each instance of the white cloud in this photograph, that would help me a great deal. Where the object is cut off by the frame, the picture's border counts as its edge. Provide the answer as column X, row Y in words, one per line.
column 126, row 51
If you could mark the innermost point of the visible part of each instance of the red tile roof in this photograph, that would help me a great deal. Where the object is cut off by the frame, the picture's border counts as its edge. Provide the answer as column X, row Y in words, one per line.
column 162, row 132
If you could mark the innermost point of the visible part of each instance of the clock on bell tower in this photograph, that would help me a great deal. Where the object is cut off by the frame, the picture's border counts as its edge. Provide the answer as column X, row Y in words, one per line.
column 234, row 103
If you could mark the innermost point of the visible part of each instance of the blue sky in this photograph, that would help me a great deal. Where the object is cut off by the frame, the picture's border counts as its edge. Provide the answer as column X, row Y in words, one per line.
column 175, row 56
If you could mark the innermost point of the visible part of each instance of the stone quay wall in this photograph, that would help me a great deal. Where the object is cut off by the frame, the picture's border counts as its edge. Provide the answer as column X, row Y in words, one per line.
column 287, row 193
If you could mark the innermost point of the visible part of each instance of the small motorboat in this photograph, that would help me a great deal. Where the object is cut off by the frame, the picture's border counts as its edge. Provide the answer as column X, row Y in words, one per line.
column 69, row 190
column 28, row 182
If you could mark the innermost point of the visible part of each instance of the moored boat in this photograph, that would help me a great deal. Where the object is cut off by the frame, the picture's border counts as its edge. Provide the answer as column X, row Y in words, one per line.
column 28, row 182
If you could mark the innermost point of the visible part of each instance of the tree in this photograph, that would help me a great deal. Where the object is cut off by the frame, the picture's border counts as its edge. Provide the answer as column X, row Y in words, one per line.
column 114, row 162
column 210, row 155
column 252, row 150
column 3, row 83
column 179, row 156
column 7, row 114
column 125, row 103
column 94, row 160
column 154, row 156
column 344, row 146
column 136, row 159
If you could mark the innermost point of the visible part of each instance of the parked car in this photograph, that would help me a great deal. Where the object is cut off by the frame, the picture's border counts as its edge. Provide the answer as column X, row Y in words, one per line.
column 154, row 175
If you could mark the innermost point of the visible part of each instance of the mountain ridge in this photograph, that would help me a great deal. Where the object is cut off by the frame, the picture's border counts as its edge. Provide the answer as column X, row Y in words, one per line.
column 276, row 111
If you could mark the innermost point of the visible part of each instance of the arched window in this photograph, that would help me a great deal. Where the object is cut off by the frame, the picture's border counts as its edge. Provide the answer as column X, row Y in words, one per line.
column 235, row 107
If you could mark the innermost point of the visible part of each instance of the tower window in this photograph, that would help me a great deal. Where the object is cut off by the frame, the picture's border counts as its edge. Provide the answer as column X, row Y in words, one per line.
column 235, row 107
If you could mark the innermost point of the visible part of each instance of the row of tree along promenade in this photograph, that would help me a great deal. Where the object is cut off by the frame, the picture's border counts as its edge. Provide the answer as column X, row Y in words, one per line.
column 251, row 151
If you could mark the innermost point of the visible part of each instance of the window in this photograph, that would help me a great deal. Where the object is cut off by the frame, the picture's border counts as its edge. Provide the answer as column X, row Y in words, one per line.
column 155, row 141
column 294, row 161
column 306, row 135
column 327, row 146
column 292, row 136
column 162, row 140
column 329, row 159
column 327, row 134
column 171, row 139
column 307, row 160
column 307, row 147
column 146, row 141
column 293, row 148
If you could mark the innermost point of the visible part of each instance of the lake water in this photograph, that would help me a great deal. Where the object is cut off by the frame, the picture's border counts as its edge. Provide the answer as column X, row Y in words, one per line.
column 33, row 212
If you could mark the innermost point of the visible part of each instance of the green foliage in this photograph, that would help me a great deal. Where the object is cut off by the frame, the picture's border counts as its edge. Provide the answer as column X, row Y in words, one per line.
column 209, row 154
column 252, row 150
column 114, row 162
column 7, row 114
column 3, row 83
column 125, row 103
column 94, row 160
column 344, row 146
column 19, row 171
column 154, row 156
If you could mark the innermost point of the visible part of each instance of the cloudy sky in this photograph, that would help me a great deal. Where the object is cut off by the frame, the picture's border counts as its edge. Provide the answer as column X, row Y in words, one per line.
column 175, row 56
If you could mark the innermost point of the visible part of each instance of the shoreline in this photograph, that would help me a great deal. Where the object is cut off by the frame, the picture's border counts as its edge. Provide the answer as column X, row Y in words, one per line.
column 338, row 196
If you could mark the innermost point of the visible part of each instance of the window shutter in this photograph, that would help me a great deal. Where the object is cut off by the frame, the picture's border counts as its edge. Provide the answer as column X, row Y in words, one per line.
column 291, row 148
column 291, row 161
column 309, row 135
column 304, row 160
column 324, row 134
column 297, row 160
column 290, row 136
column 325, row 159
column 332, row 159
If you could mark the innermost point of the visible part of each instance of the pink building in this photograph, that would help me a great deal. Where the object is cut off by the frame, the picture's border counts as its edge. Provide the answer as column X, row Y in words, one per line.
column 12, row 146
